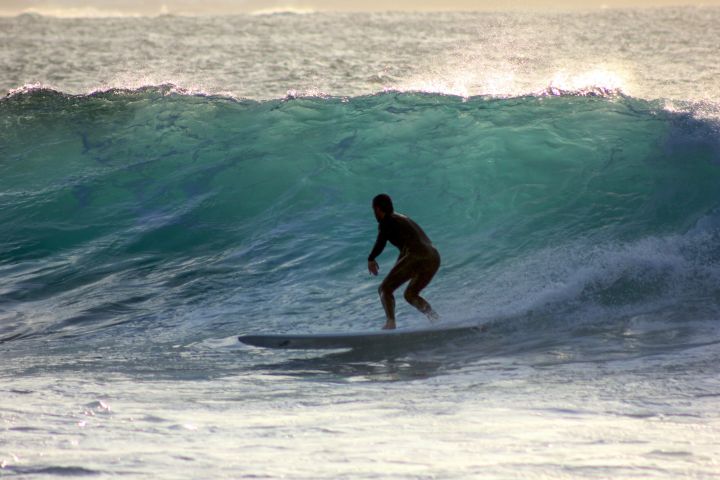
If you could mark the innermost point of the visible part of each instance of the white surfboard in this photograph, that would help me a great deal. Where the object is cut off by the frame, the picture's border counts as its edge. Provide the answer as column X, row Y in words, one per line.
column 376, row 339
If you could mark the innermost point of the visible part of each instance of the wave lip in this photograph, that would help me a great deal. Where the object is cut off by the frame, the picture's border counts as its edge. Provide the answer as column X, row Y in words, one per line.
column 170, row 88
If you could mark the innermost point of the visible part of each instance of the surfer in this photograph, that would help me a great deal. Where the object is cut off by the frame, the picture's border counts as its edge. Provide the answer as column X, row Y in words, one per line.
column 418, row 260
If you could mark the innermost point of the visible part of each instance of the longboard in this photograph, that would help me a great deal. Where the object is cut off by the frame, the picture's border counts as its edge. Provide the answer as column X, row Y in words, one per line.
column 382, row 338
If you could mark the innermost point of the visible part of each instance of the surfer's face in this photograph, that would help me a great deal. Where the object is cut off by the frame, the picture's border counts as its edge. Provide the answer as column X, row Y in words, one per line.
column 379, row 214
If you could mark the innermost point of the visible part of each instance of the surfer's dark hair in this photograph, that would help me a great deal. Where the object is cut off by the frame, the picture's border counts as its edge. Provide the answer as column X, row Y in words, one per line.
column 384, row 203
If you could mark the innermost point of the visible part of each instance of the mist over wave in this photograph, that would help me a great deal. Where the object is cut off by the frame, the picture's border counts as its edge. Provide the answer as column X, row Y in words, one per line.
column 666, row 53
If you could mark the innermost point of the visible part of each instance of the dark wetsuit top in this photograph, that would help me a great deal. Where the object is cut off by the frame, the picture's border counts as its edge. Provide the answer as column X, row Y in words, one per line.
column 402, row 232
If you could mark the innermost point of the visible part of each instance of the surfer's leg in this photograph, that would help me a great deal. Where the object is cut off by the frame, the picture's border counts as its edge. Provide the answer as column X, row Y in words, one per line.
column 398, row 275
column 388, row 303
column 424, row 274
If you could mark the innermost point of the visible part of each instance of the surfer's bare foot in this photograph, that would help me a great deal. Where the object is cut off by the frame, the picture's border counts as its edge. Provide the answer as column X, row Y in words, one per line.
column 433, row 316
column 389, row 325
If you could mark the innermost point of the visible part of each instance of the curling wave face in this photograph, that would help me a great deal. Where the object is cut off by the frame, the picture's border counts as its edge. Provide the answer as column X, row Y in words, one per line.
column 148, row 213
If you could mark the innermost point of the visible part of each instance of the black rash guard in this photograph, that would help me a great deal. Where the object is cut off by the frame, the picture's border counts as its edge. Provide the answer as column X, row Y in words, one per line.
column 402, row 232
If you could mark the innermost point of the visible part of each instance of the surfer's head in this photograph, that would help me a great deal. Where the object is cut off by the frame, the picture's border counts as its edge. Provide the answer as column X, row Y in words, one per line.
column 382, row 205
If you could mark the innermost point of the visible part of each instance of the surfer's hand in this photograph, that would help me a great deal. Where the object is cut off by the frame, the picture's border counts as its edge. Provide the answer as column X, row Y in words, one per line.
column 373, row 267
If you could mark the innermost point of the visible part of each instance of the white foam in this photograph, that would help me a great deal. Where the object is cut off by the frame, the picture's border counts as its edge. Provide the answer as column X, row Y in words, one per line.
column 589, row 282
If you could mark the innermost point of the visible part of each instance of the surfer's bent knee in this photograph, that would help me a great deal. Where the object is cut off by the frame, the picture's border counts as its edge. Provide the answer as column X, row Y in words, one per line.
column 410, row 296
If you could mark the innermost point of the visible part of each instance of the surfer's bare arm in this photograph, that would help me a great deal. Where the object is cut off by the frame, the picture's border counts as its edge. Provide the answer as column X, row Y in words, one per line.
column 377, row 250
column 373, row 267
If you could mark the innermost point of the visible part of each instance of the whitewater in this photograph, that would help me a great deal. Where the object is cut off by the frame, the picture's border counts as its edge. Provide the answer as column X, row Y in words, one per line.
column 169, row 183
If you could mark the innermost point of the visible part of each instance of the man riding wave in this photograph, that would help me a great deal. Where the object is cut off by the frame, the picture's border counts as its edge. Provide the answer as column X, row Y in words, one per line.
column 418, row 261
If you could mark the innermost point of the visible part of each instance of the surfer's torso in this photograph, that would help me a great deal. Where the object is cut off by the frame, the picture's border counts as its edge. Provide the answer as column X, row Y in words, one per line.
column 404, row 234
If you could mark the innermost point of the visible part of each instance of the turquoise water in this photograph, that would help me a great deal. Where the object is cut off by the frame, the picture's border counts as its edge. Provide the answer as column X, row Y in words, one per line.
column 132, row 204
column 145, row 227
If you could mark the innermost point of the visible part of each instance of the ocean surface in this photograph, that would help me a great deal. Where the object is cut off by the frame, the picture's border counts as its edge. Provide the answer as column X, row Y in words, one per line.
column 170, row 183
